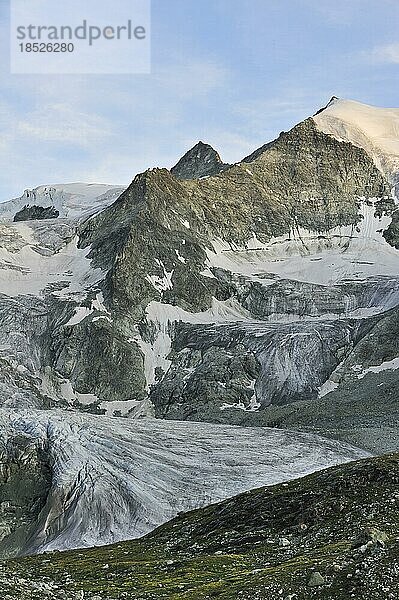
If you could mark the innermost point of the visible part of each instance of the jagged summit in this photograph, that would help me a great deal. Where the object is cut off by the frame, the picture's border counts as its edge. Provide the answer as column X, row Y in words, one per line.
column 201, row 161
column 374, row 129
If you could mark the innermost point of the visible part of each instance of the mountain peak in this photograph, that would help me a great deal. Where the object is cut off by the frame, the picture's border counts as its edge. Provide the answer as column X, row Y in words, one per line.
column 369, row 127
column 201, row 145
column 332, row 101
column 201, row 160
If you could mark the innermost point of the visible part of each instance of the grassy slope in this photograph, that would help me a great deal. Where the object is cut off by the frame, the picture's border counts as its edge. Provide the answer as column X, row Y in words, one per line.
column 262, row 544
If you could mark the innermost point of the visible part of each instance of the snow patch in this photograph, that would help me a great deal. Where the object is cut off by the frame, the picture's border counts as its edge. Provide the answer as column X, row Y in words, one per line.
column 327, row 387
column 155, row 352
column 391, row 365
column 343, row 253
column 207, row 273
column 161, row 284
column 119, row 408
column 221, row 311
column 86, row 399
column 252, row 406
column 180, row 257
column 81, row 312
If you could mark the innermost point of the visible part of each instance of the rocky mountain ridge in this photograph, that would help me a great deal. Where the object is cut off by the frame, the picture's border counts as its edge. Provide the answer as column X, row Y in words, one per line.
column 171, row 255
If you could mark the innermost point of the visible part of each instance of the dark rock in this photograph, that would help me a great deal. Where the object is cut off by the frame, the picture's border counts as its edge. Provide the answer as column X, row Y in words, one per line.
column 25, row 481
column 36, row 213
column 201, row 161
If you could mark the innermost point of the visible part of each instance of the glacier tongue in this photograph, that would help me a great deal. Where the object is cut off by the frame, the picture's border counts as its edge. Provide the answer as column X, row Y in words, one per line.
column 114, row 479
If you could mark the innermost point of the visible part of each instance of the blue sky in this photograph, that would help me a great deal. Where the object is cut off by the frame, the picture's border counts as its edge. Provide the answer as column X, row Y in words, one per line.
column 233, row 73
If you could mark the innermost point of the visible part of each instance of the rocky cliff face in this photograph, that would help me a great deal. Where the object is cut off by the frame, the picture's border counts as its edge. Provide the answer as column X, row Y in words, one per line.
column 25, row 481
column 36, row 213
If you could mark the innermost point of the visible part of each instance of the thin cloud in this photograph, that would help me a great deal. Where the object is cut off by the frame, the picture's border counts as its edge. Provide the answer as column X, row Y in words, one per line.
column 344, row 13
column 60, row 123
column 388, row 54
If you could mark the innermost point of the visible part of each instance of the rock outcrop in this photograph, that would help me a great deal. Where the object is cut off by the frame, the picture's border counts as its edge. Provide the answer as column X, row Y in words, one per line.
column 201, row 161
column 36, row 213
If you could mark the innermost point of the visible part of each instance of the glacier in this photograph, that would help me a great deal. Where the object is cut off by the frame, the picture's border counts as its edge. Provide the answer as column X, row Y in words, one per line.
column 114, row 479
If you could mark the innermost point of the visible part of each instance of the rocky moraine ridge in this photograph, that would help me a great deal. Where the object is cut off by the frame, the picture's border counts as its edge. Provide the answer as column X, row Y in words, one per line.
column 262, row 295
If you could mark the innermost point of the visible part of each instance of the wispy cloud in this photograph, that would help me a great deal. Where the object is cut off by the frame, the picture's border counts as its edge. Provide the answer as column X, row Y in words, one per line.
column 339, row 12
column 61, row 123
column 54, row 124
column 388, row 54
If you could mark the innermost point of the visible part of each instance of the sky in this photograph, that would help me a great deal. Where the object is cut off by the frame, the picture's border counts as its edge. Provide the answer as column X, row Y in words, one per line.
column 232, row 73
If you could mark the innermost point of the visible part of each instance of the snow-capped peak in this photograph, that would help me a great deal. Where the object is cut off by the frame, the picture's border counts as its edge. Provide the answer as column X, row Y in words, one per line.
column 374, row 129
